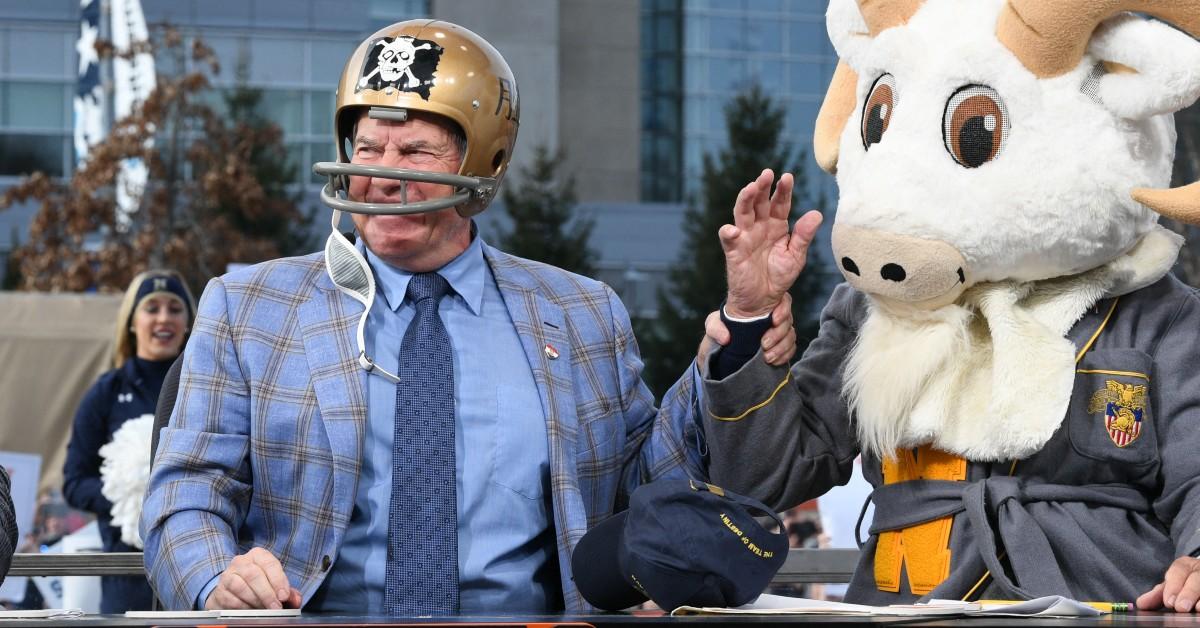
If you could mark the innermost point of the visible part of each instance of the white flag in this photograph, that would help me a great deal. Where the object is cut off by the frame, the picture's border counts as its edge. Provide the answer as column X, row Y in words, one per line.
column 133, row 80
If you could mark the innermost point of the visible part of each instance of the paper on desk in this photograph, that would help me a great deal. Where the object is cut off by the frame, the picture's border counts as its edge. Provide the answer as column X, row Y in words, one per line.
column 172, row 614
column 1049, row 606
column 261, row 612
column 766, row 604
column 45, row 613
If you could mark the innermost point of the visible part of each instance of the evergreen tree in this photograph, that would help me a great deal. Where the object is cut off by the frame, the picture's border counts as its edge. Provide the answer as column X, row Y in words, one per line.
column 697, row 286
column 274, row 170
column 544, row 226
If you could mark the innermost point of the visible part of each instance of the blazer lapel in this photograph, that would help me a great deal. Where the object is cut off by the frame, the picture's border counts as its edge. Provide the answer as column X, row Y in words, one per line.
column 542, row 327
column 328, row 325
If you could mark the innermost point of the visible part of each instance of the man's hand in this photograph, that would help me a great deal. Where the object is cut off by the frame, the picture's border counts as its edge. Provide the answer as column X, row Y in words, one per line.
column 778, row 343
column 253, row 580
column 1179, row 591
column 761, row 259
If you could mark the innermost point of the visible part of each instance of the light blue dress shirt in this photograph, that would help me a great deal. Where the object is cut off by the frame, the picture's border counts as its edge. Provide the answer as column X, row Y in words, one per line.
column 507, row 557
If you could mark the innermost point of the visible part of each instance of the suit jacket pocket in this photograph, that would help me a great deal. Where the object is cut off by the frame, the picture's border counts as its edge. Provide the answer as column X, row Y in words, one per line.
column 1111, row 417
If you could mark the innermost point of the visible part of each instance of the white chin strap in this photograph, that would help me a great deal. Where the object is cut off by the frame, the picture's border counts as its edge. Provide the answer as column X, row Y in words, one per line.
column 349, row 271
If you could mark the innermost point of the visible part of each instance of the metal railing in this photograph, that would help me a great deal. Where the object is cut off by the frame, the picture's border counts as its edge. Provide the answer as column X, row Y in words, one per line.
column 802, row 565
column 81, row 564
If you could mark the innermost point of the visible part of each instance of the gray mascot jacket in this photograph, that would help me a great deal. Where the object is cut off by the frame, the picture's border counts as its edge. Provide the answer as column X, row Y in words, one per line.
column 1097, row 514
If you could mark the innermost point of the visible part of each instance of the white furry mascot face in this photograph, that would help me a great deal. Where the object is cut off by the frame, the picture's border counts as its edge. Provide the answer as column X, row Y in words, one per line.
column 1001, row 166
column 985, row 140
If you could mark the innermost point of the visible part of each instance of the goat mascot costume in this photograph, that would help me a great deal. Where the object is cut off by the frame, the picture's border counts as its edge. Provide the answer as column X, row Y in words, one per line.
column 1009, row 353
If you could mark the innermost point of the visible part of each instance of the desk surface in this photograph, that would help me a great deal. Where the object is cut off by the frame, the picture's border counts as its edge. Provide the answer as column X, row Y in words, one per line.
column 622, row 620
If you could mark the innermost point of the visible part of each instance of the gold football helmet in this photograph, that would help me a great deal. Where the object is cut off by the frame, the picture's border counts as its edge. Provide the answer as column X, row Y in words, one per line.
column 439, row 68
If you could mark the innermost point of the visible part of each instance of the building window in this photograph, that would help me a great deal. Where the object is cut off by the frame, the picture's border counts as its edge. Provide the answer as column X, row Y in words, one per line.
column 26, row 153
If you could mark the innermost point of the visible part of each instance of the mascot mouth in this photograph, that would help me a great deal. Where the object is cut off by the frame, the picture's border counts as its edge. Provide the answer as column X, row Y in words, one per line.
column 919, row 272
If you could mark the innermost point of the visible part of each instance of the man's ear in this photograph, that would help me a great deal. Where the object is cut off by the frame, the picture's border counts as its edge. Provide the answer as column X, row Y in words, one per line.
column 1150, row 67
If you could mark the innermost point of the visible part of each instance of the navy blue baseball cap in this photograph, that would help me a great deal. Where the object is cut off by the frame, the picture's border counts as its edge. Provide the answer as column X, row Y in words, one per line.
column 681, row 542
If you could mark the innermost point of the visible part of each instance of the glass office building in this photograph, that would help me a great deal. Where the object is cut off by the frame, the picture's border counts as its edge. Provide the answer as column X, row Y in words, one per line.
column 292, row 50
column 698, row 54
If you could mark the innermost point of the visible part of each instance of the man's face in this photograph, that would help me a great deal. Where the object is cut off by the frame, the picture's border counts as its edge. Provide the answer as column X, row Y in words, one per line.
column 415, row 242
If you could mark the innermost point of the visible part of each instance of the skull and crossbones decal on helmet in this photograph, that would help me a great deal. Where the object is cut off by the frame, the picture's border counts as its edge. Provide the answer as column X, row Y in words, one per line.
column 401, row 63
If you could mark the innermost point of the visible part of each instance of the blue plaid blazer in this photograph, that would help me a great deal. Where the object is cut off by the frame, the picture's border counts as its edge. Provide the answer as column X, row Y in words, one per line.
column 265, row 444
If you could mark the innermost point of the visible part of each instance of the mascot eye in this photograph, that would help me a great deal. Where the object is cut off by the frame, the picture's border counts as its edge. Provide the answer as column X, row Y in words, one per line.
column 975, row 125
column 877, row 112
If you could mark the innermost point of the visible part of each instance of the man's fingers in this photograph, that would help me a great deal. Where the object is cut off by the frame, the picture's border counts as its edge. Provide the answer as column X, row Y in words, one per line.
column 1151, row 600
column 781, row 200
column 804, row 231
column 743, row 206
column 775, row 335
column 236, row 585
column 762, row 194
column 253, row 580
column 221, row 598
column 265, row 595
column 728, row 234
column 277, row 580
column 782, row 313
column 1177, row 575
column 294, row 599
column 781, row 323
column 715, row 329
column 781, row 352
column 1189, row 594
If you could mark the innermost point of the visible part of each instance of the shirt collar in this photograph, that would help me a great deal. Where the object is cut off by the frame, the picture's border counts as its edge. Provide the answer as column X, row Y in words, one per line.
column 464, row 273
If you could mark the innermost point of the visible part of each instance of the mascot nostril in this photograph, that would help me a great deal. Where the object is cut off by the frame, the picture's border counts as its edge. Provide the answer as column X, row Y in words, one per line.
column 893, row 272
column 962, row 278
column 849, row 265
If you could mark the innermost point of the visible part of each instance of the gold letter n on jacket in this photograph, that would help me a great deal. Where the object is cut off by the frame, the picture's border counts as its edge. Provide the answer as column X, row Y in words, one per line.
column 923, row 549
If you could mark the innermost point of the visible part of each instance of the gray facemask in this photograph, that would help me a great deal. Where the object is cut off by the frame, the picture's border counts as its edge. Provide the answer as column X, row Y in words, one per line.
column 349, row 271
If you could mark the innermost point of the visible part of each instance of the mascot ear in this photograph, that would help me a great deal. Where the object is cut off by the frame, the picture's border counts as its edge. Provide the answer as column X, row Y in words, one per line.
column 1150, row 68
column 852, row 25
column 848, row 31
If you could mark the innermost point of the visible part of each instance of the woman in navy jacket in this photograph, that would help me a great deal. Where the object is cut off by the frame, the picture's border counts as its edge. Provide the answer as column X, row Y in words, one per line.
column 152, row 326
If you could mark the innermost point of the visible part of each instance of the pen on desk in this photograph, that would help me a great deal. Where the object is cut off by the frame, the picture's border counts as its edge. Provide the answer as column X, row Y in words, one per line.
column 1107, row 607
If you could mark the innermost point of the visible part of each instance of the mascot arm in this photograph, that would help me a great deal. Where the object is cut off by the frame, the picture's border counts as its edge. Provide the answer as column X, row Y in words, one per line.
column 1175, row 396
column 783, row 436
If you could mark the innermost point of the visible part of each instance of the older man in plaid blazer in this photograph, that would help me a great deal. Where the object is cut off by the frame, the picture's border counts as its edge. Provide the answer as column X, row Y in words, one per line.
column 270, row 485
column 266, row 443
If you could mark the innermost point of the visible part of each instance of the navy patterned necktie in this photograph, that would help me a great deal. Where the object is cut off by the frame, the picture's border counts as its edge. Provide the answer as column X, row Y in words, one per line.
column 422, row 558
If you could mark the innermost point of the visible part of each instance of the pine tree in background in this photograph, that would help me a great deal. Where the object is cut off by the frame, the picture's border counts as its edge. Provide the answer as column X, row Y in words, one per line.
column 274, row 170
column 543, row 223
column 754, row 125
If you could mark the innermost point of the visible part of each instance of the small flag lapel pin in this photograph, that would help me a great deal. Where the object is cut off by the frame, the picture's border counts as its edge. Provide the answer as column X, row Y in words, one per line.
column 551, row 352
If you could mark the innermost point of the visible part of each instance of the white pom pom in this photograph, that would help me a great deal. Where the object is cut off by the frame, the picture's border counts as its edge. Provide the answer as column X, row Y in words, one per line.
column 123, row 475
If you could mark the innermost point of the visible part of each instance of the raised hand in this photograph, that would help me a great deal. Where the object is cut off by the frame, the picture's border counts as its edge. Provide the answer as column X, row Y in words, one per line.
column 762, row 260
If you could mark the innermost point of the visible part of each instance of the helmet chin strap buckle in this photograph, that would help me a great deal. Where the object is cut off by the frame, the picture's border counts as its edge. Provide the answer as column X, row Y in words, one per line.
column 395, row 114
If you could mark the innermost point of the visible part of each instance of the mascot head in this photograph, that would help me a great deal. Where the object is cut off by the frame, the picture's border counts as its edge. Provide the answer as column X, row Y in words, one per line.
column 1001, row 140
